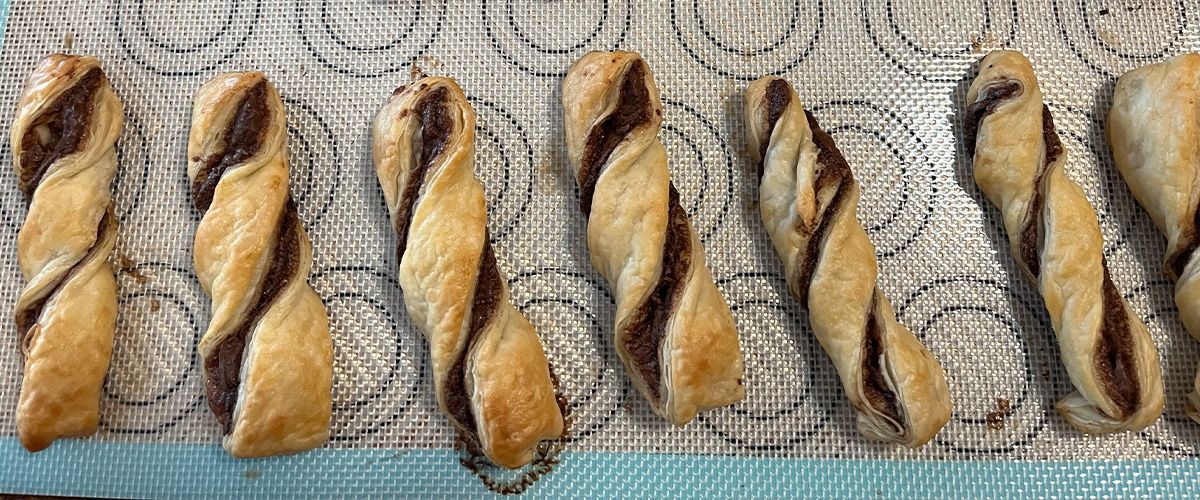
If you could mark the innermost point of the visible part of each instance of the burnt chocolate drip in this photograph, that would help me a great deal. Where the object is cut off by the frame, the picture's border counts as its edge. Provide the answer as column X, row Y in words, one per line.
column 1115, row 361
column 1031, row 229
column 436, row 127
column 243, row 138
column 777, row 97
column 632, row 111
column 1178, row 261
column 993, row 97
column 646, row 328
column 27, row 318
column 483, row 311
column 66, row 127
column 875, row 386
column 224, row 365
column 832, row 172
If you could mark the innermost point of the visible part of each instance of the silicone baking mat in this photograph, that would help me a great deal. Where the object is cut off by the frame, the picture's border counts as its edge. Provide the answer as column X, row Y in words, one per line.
column 886, row 78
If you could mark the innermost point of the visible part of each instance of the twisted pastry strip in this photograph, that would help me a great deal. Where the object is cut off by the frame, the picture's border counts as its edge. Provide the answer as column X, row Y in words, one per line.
column 808, row 202
column 1154, row 128
column 63, row 140
column 490, row 374
column 1055, row 236
column 674, row 330
column 267, row 352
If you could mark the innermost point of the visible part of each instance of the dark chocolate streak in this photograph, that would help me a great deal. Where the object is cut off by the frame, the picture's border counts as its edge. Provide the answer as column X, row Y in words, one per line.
column 224, row 365
column 875, row 387
column 993, row 97
column 1178, row 261
column 1031, row 229
column 1115, row 360
column 632, row 111
column 834, row 171
column 483, row 311
column 436, row 127
column 778, row 96
column 67, row 120
column 243, row 138
column 28, row 317
column 646, row 328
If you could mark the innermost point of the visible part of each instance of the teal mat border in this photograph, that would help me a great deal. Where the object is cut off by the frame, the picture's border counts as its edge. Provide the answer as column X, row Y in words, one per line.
column 90, row 468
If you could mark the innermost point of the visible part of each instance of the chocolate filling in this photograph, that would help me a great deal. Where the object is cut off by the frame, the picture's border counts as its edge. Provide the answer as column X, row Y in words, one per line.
column 1115, row 360
column 646, row 328
column 833, row 172
column 778, row 96
column 993, row 97
column 1178, row 261
column 1031, row 239
column 244, row 137
column 875, row 386
column 224, row 365
column 632, row 111
column 436, row 127
column 28, row 317
column 483, row 310
column 59, row 131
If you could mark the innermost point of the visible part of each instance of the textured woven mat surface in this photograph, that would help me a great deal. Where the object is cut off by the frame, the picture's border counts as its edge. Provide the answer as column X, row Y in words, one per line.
column 886, row 78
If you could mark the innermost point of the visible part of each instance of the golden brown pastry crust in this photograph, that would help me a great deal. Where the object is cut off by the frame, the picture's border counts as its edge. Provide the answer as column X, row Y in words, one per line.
column 253, row 259
column 63, row 139
column 673, row 328
column 808, row 200
column 1154, row 130
column 491, row 375
column 1056, row 240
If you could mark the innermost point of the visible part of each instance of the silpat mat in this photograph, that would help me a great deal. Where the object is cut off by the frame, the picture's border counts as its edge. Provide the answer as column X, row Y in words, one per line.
column 887, row 79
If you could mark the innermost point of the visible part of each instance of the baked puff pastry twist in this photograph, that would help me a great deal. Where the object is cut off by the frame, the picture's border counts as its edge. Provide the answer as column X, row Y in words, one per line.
column 809, row 200
column 268, row 355
column 1154, row 130
column 491, row 376
column 1056, row 241
column 674, row 330
column 63, row 139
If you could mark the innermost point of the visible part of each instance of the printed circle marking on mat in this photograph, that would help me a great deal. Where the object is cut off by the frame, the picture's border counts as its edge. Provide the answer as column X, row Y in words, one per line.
column 1178, row 353
column 572, row 314
column 695, row 146
column 889, row 162
column 1112, row 39
column 715, row 35
column 781, row 366
column 571, row 29
column 133, row 168
column 504, row 163
column 927, row 40
column 153, row 36
column 379, row 355
column 154, row 379
column 969, row 326
column 363, row 38
column 314, row 162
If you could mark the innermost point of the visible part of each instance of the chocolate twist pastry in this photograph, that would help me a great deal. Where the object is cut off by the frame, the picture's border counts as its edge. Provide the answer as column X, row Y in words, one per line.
column 268, row 354
column 673, row 328
column 809, row 200
column 63, row 139
column 490, row 374
column 1056, row 240
column 1153, row 127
